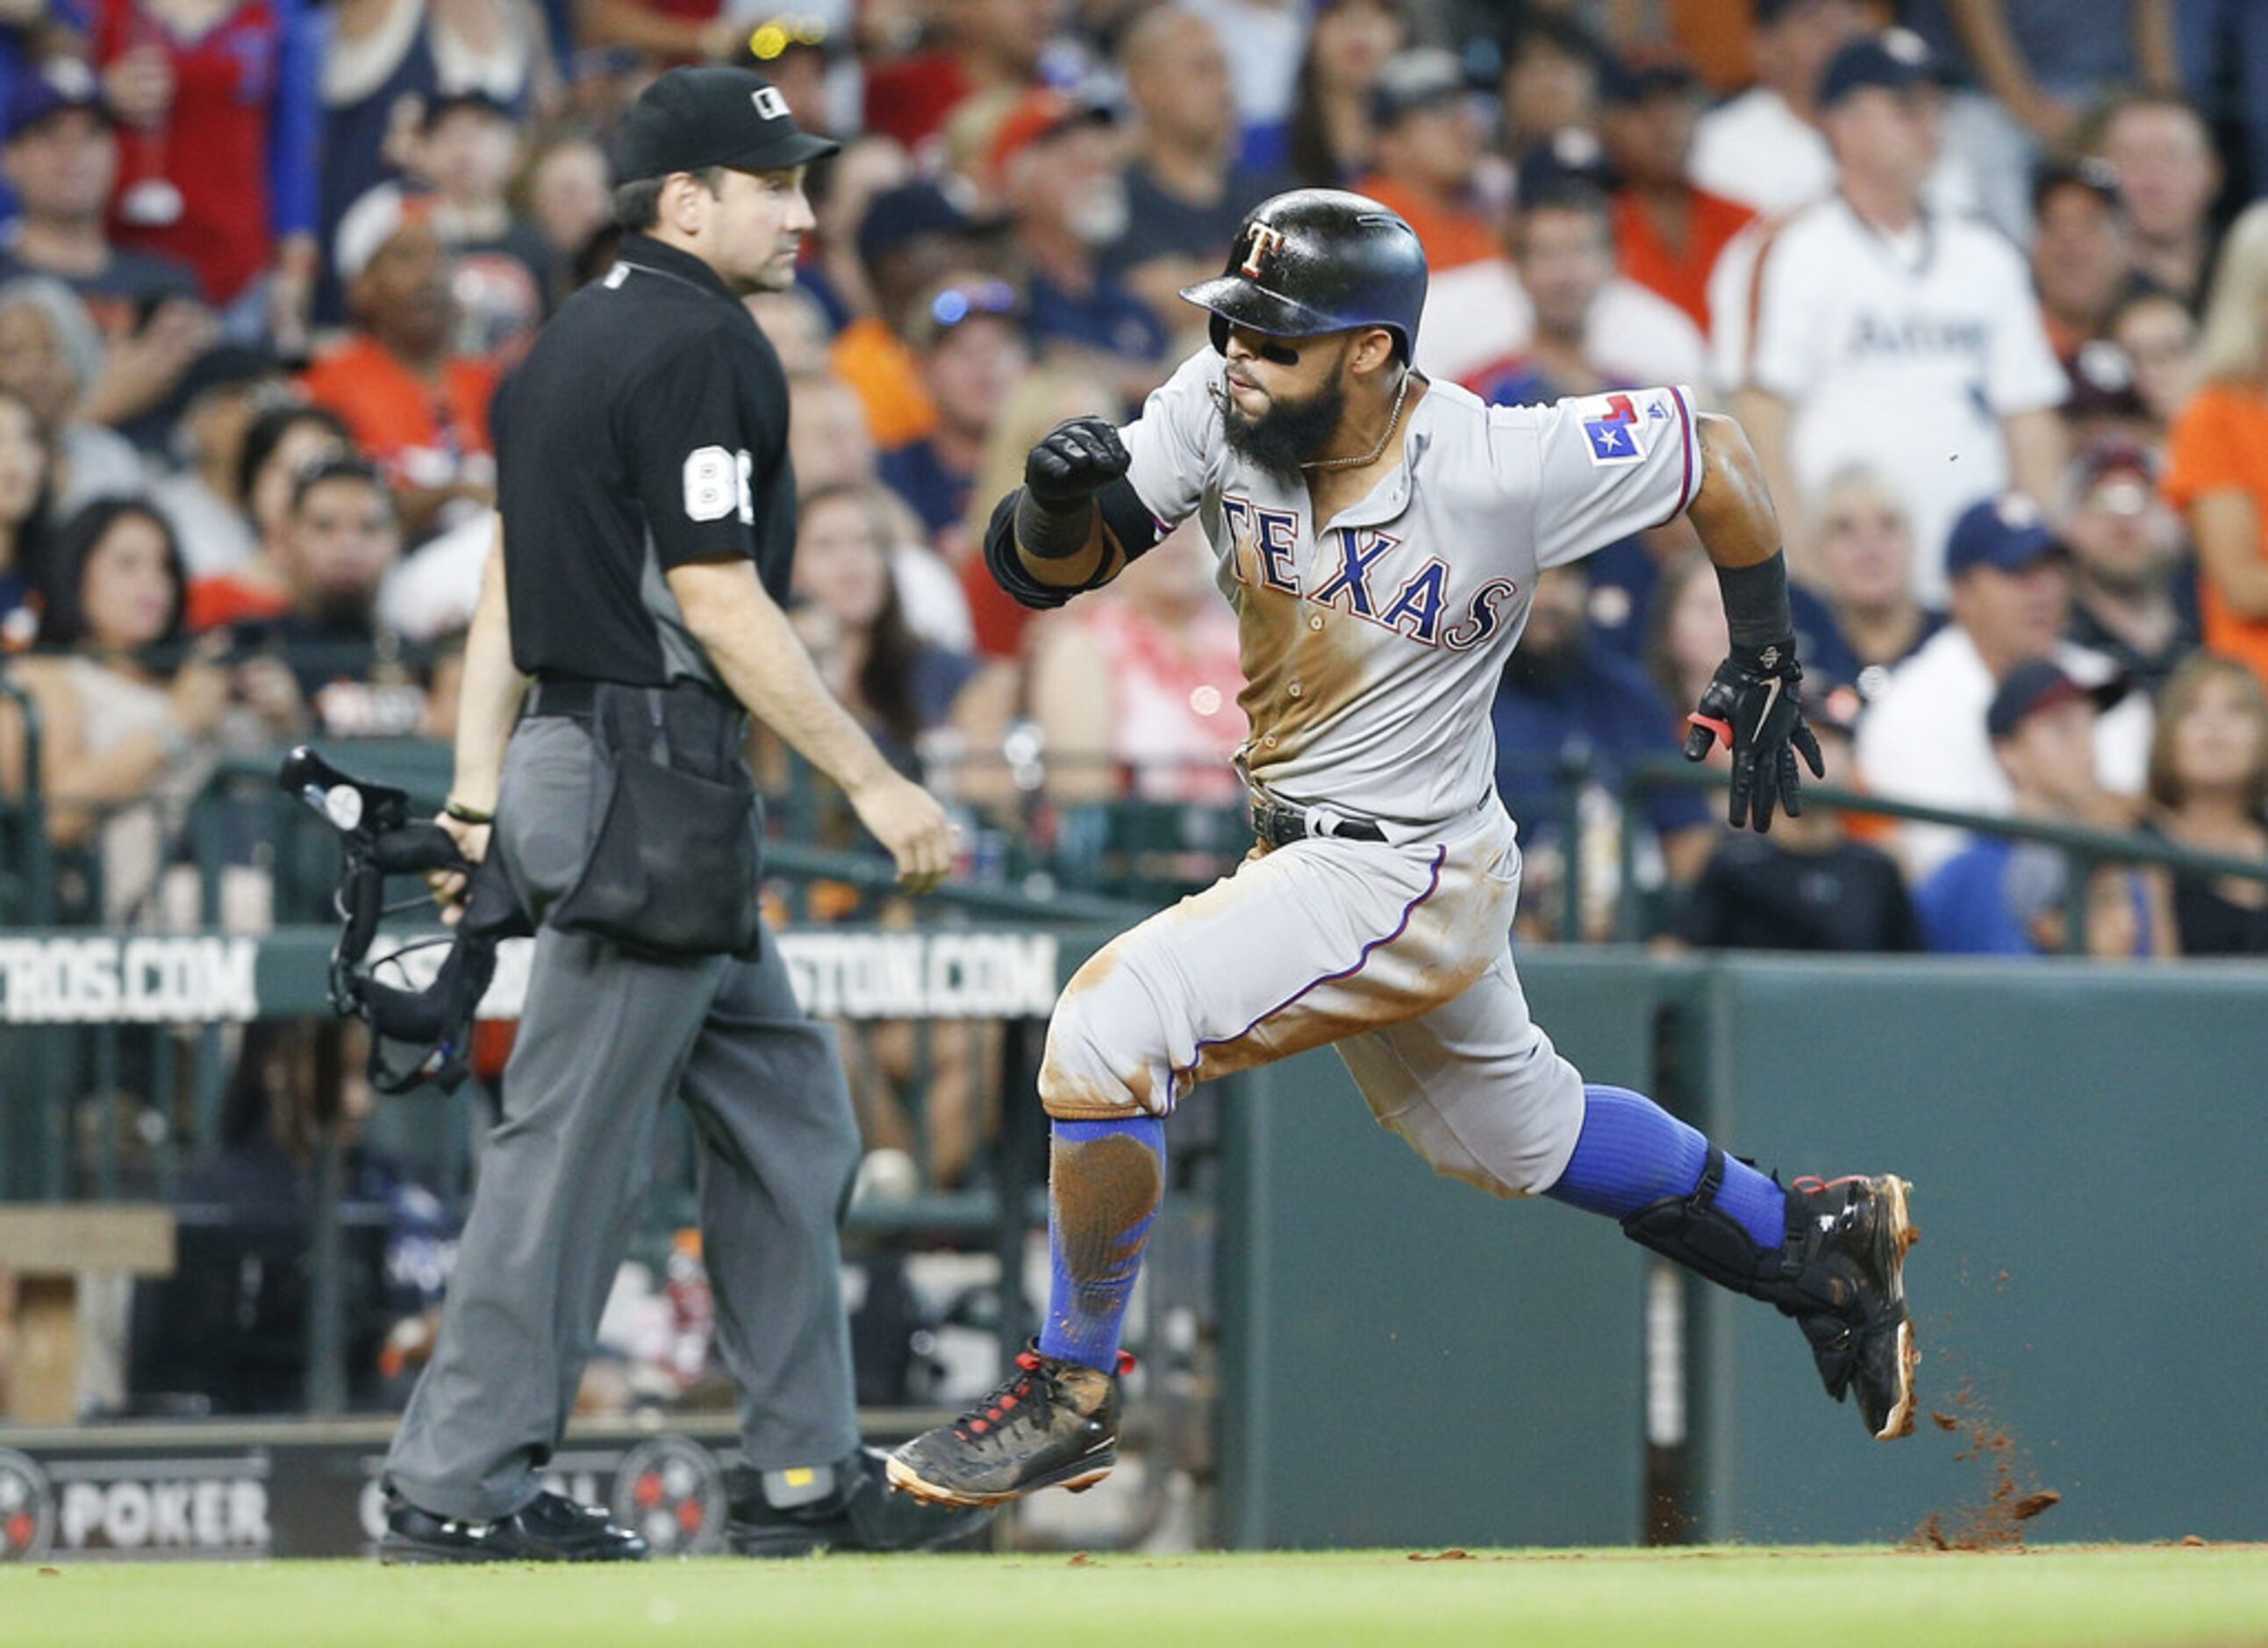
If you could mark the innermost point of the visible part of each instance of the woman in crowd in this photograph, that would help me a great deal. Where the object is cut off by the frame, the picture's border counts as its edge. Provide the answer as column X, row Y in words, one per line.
column 50, row 354
column 1550, row 83
column 2157, row 335
column 1686, row 637
column 566, row 190
column 1864, row 554
column 1347, row 44
column 2209, row 790
column 1135, row 692
column 918, row 699
column 282, row 444
column 125, row 740
column 936, row 714
column 2217, row 466
column 26, row 467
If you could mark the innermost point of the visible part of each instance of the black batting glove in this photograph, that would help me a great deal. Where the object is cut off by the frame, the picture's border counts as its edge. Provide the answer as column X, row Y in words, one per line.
column 1755, row 704
column 1076, row 460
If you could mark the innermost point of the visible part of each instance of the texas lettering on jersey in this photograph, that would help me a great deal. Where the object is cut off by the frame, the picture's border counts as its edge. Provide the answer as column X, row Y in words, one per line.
column 1372, row 642
column 1359, row 574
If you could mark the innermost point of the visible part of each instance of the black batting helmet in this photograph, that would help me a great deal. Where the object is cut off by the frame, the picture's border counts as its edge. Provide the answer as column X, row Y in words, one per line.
column 1318, row 260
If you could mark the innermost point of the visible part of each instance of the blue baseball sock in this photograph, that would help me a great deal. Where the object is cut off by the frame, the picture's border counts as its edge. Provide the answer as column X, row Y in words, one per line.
column 1633, row 1153
column 1105, row 1182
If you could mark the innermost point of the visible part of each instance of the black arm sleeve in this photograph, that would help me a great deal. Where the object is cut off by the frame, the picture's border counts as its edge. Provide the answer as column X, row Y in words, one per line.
column 1005, row 562
column 1126, row 521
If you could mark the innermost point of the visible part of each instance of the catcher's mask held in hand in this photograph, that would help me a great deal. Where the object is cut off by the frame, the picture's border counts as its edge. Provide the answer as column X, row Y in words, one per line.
column 418, row 1034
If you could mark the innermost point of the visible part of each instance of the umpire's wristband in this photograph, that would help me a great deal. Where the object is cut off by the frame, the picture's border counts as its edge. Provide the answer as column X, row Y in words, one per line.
column 1756, row 610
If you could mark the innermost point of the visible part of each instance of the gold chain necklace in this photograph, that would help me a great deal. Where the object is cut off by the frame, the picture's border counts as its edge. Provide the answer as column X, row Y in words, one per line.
column 1392, row 422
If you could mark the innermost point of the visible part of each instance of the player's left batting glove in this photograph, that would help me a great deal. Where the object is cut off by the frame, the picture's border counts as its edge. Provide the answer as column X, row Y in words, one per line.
column 1754, row 703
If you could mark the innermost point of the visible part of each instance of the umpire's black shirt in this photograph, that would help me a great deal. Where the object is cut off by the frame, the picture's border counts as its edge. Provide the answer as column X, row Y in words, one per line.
column 647, row 428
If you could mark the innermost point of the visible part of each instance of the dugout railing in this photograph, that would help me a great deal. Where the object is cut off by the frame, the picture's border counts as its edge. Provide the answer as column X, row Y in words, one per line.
column 2084, row 849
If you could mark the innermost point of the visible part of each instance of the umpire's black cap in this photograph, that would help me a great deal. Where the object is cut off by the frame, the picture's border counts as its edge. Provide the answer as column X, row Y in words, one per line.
column 693, row 118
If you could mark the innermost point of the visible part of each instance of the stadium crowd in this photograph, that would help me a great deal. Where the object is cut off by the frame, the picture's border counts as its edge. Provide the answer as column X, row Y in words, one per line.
column 1979, row 278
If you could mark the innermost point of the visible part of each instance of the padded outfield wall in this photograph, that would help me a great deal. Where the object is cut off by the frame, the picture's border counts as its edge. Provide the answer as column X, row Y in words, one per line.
column 1410, row 1361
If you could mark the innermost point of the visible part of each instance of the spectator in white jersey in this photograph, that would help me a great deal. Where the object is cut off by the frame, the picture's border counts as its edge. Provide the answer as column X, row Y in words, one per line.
column 1886, row 331
column 1924, row 739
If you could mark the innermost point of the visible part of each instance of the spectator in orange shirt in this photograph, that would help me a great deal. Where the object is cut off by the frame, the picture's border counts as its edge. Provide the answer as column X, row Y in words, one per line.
column 1668, row 233
column 415, row 408
column 911, row 238
column 2217, row 471
column 1428, row 150
column 1431, row 158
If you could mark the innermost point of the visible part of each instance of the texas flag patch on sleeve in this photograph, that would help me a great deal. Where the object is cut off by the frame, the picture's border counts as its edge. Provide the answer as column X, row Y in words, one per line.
column 1616, row 427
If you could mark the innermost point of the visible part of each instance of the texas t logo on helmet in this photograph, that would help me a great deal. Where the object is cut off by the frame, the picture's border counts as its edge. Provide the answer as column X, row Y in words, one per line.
column 1332, row 261
column 1264, row 241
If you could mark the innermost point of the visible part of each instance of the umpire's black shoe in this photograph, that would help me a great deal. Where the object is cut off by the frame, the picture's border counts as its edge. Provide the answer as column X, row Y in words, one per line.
column 548, row 1528
column 1848, row 1239
column 1050, row 1424
column 861, row 1515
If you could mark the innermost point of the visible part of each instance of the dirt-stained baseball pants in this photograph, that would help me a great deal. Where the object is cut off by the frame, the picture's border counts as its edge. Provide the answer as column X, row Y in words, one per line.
column 1398, row 952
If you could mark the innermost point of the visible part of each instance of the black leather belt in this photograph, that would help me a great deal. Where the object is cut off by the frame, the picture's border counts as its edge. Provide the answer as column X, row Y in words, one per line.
column 569, row 696
column 1279, row 824
column 575, row 696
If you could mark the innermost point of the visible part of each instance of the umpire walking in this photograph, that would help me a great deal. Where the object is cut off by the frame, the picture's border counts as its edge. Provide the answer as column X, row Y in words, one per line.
column 628, row 623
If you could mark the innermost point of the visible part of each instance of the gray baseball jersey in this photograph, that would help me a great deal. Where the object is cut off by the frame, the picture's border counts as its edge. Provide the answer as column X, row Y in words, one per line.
column 1372, row 643
column 1372, row 647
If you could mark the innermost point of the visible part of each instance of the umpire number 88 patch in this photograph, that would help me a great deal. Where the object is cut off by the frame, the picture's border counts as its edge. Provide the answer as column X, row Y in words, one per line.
column 717, row 485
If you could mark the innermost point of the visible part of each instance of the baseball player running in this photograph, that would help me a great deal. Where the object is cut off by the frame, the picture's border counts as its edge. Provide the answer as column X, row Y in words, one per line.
column 1380, row 535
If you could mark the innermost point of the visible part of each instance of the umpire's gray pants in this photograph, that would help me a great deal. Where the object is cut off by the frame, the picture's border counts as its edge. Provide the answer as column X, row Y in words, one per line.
column 605, row 1038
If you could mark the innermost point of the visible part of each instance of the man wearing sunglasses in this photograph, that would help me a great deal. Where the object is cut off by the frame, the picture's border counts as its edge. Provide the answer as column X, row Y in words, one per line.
column 1380, row 537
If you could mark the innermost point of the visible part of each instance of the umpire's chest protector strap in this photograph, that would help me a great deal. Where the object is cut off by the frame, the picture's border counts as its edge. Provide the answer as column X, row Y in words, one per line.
column 1125, row 519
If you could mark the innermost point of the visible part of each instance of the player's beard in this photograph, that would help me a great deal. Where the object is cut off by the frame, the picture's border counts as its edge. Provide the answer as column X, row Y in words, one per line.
column 1289, row 434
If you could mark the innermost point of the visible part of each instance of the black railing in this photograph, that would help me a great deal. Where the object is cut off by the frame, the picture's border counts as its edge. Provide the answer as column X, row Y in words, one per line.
column 2085, row 848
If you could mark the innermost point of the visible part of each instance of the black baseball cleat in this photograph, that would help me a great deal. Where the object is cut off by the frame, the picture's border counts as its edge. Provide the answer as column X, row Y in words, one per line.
column 861, row 1515
column 1050, row 1424
column 1847, row 1242
column 548, row 1528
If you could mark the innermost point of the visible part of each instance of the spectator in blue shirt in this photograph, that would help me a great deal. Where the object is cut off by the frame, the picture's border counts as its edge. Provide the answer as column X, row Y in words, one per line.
column 1057, row 164
column 1185, row 195
column 2001, row 897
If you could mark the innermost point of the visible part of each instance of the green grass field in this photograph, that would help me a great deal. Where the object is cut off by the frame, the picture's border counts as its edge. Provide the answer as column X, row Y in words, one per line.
column 1822, row 1599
